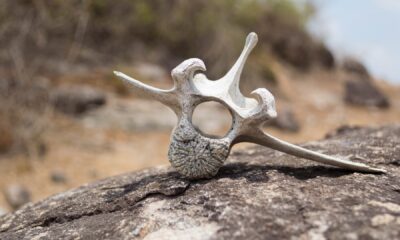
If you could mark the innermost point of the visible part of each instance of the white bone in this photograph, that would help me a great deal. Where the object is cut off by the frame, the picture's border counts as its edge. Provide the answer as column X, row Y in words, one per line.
column 197, row 155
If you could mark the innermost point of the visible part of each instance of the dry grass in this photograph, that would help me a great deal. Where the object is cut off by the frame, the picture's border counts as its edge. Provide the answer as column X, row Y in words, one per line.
column 23, row 119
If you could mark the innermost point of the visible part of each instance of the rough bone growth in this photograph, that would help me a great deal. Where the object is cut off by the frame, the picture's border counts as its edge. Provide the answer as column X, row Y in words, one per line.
column 197, row 156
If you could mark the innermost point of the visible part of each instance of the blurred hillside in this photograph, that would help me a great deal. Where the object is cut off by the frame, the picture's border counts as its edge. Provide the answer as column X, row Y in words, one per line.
column 43, row 40
column 99, row 32
column 66, row 120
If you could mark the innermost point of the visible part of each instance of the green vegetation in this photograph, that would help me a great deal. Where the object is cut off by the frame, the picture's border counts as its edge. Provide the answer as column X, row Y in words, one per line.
column 166, row 31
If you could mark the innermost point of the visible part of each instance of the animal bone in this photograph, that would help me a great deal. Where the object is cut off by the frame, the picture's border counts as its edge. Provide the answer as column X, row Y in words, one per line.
column 197, row 155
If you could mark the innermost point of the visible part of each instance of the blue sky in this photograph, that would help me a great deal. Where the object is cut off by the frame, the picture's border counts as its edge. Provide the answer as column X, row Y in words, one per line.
column 366, row 29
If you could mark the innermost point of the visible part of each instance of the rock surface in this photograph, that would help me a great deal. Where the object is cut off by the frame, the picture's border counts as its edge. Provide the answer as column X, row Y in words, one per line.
column 300, row 50
column 364, row 93
column 354, row 66
column 258, row 194
column 2, row 211
column 286, row 121
column 17, row 195
column 58, row 176
column 77, row 99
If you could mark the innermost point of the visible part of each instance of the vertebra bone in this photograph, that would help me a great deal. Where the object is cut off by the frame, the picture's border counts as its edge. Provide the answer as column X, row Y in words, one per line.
column 196, row 155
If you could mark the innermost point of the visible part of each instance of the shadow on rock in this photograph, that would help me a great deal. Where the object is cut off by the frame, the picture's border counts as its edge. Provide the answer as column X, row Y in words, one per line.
column 258, row 172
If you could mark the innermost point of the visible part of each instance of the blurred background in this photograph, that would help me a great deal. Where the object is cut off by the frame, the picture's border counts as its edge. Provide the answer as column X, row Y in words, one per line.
column 65, row 120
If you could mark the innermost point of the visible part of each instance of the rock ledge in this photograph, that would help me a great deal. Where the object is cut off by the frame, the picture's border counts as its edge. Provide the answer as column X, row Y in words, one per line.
column 258, row 194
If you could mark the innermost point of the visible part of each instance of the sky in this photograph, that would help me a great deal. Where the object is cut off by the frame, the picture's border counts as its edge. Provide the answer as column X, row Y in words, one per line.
column 366, row 29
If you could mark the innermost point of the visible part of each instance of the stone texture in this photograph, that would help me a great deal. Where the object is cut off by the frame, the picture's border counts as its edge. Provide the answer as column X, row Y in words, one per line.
column 77, row 99
column 2, row 211
column 300, row 50
column 286, row 121
column 364, row 93
column 17, row 195
column 258, row 194
column 324, row 56
column 354, row 66
column 58, row 176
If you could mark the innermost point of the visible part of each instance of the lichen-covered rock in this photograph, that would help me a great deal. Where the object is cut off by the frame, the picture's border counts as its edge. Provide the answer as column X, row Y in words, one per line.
column 258, row 194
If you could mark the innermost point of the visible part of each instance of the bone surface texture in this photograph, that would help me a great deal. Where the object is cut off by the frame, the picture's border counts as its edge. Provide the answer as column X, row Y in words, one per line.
column 197, row 155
